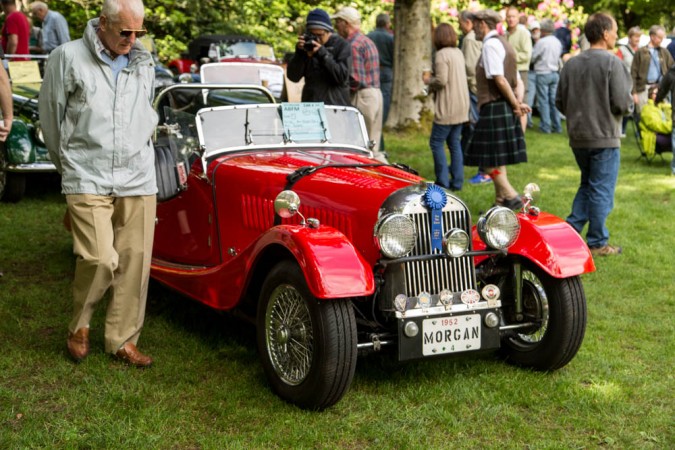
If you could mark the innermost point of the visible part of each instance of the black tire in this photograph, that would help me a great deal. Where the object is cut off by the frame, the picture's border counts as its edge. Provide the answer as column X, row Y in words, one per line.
column 558, row 306
column 307, row 347
column 15, row 187
column 3, row 172
column 12, row 185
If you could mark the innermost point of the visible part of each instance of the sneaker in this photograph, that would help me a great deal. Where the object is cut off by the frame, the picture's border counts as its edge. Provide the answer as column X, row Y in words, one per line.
column 480, row 178
column 606, row 250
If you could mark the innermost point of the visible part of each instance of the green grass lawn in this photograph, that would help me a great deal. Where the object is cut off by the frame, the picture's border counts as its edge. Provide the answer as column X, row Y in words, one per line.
column 207, row 388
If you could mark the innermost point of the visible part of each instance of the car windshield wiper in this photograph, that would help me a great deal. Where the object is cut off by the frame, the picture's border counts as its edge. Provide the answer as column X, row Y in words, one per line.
column 302, row 172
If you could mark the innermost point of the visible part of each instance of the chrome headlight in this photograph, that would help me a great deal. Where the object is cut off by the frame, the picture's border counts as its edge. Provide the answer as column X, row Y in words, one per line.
column 396, row 235
column 287, row 204
column 456, row 242
column 498, row 228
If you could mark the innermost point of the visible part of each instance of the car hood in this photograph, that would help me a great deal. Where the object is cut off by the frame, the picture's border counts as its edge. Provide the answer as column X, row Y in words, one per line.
column 346, row 198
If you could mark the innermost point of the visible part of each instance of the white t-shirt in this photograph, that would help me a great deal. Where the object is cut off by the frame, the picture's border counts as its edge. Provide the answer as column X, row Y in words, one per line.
column 492, row 56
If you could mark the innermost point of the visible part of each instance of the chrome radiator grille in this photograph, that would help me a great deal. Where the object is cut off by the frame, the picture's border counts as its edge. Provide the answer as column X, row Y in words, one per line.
column 454, row 274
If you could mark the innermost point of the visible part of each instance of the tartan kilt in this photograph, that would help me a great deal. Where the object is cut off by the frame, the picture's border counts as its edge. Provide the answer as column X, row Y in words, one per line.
column 497, row 139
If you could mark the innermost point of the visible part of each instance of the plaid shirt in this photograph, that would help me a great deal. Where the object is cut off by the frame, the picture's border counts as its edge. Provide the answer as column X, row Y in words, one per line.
column 365, row 63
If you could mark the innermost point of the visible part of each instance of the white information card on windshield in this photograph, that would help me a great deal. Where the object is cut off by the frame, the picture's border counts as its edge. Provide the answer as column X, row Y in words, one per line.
column 305, row 122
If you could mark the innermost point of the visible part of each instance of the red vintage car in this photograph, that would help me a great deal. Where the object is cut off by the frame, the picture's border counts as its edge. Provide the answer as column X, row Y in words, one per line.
column 281, row 212
column 221, row 48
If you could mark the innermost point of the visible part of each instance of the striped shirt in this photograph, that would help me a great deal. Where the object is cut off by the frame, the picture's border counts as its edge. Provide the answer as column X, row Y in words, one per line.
column 365, row 63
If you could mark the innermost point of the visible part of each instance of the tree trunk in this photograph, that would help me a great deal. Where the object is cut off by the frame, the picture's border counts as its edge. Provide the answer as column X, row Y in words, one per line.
column 412, row 47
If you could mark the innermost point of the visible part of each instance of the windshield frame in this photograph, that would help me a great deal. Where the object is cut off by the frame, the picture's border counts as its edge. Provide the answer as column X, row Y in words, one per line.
column 283, row 144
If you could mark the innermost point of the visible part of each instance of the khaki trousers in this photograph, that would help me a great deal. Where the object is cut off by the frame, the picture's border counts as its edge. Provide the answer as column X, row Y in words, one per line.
column 112, row 239
column 369, row 102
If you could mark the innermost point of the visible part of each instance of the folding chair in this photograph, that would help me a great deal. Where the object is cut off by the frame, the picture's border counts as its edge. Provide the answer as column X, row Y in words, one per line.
column 663, row 142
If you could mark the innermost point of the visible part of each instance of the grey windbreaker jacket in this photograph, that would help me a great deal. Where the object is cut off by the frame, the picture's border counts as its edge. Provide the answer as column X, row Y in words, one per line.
column 99, row 139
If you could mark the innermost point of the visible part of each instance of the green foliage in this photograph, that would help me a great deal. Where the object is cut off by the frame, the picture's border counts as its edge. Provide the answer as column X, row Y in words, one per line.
column 174, row 23
column 628, row 13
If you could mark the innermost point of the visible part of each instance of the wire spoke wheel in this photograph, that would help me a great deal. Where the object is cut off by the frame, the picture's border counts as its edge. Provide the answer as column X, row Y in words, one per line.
column 307, row 346
column 535, row 306
column 557, row 309
column 288, row 329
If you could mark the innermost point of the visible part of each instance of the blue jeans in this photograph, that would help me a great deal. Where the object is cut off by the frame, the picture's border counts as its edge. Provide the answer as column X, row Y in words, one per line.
column 595, row 196
column 467, row 129
column 547, row 85
column 386, row 85
column 672, row 143
column 450, row 134
column 529, row 95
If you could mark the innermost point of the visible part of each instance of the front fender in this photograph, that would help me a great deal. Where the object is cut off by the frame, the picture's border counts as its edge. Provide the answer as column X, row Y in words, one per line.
column 333, row 268
column 19, row 145
column 550, row 243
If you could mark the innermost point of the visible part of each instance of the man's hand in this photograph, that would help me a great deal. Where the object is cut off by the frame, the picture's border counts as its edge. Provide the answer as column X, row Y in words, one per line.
column 301, row 45
column 5, row 128
column 521, row 109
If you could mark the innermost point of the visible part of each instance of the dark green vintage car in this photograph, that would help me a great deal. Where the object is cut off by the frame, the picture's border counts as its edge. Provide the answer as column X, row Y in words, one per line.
column 23, row 152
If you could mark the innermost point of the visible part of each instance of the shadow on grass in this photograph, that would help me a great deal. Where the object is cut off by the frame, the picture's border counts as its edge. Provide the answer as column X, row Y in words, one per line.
column 230, row 339
column 42, row 185
column 211, row 327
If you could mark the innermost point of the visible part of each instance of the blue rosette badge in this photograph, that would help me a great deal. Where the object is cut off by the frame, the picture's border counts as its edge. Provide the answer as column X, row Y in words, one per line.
column 436, row 199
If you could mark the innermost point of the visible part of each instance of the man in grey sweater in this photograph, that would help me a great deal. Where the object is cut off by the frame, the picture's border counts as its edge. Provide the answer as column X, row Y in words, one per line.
column 594, row 93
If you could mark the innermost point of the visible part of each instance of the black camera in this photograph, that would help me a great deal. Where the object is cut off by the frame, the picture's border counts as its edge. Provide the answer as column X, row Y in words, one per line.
column 309, row 42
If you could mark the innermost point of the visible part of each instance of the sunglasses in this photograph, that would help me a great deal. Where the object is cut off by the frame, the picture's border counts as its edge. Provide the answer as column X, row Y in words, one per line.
column 139, row 33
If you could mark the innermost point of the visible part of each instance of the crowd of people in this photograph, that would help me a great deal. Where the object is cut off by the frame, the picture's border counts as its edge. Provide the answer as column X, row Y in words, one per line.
column 19, row 37
column 342, row 66
column 532, row 65
column 485, row 84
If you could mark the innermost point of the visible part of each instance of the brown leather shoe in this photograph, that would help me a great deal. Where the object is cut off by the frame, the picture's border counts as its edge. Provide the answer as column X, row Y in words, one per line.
column 78, row 344
column 130, row 354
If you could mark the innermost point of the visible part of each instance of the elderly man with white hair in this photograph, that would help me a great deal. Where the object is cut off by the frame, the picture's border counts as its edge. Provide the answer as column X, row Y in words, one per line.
column 54, row 27
column 364, row 82
column 97, row 118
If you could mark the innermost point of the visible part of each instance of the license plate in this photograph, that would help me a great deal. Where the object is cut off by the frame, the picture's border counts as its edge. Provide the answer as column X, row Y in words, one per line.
column 451, row 334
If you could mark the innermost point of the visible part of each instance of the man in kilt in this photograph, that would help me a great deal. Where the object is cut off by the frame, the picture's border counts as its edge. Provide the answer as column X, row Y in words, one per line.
column 498, row 138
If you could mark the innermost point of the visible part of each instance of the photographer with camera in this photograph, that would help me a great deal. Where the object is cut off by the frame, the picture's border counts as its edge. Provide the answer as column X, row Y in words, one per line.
column 324, row 59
